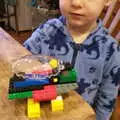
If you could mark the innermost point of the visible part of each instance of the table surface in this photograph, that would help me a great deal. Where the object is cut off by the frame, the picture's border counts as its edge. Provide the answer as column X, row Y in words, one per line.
column 75, row 107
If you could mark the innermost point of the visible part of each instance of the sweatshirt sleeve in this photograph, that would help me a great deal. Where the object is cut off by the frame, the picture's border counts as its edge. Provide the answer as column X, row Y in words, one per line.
column 107, row 94
column 35, row 43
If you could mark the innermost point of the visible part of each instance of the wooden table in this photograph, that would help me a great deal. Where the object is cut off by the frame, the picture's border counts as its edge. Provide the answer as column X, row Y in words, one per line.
column 75, row 107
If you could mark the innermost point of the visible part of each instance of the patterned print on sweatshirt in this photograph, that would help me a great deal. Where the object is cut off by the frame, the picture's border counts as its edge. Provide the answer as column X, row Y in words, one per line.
column 96, row 60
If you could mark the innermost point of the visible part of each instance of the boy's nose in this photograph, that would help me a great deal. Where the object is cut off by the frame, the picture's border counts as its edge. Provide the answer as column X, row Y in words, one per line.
column 77, row 3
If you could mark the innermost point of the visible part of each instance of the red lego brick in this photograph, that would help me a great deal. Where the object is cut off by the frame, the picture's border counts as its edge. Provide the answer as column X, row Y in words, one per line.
column 42, row 72
column 48, row 93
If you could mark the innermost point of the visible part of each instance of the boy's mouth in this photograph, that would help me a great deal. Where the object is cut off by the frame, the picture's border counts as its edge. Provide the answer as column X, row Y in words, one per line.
column 77, row 15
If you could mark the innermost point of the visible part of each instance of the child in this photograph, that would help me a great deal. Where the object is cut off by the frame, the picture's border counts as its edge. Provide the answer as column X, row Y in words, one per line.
column 79, row 37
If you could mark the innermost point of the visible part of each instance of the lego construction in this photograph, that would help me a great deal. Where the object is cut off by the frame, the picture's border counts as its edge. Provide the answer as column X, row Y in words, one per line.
column 41, row 78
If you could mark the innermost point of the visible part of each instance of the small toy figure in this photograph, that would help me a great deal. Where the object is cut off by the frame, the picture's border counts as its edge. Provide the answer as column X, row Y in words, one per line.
column 41, row 78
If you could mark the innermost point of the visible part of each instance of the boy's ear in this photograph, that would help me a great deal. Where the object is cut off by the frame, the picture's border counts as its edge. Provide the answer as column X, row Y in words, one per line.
column 109, row 2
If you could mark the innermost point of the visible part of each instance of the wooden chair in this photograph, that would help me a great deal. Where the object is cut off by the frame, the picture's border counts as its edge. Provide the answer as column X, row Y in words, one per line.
column 12, row 3
column 111, row 19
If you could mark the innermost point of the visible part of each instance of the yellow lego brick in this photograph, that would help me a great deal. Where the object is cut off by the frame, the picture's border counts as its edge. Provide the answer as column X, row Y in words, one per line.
column 33, row 108
column 30, row 101
column 57, row 104
column 57, row 108
column 53, row 63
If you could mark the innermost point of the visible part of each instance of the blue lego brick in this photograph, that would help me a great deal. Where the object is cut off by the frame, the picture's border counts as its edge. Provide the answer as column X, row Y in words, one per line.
column 29, row 82
column 22, row 89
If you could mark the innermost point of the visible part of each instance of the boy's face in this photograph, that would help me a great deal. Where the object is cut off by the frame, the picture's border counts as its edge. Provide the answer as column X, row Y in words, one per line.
column 81, row 12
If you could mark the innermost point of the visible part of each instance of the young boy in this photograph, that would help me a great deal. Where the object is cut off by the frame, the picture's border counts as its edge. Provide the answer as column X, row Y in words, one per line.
column 79, row 37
